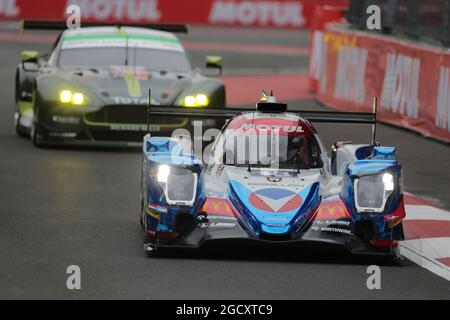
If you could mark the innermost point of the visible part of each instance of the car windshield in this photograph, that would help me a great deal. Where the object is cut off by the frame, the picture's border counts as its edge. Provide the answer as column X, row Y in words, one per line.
column 271, row 150
column 152, row 59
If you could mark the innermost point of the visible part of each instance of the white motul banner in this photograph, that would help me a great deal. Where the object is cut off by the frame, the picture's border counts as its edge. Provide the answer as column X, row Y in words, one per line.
column 251, row 13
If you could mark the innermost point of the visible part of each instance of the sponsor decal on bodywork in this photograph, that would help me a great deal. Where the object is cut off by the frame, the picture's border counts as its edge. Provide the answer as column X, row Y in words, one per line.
column 269, row 125
column 332, row 217
column 138, row 72
column 274, row 179
column 155, row 211
column 65, row 119
column 130, row 100
column 275, row 200
column 332, row 228
column 133, row 127
column 217, row 206
column 331, row 210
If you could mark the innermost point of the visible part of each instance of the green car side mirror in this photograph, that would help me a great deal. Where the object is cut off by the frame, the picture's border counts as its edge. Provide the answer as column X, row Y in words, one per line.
column 214, row 62
column 29, row 56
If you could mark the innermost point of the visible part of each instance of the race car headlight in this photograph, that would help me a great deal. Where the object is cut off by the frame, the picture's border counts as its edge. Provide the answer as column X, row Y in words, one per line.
column 163, row 173
column 78, row 98
column 69, row 97
column 372, row 192
column 388, row 181
column 179, row 184
column 65, row 96
column 200, row 100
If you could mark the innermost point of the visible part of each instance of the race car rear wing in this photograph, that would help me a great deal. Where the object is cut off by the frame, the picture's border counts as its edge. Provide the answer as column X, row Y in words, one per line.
column 227, row 113
column 369, row 118
column 61, row 25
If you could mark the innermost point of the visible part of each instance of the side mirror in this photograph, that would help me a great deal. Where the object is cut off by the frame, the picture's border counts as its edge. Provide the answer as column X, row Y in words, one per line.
column 30, row 60
column 29, row 56
column 214, row 62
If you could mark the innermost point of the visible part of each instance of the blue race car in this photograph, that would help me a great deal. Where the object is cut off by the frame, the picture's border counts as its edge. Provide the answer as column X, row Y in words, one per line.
column 267, row 179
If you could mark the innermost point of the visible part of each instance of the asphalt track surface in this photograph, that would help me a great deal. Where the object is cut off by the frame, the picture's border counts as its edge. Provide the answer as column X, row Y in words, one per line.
column 61, row 207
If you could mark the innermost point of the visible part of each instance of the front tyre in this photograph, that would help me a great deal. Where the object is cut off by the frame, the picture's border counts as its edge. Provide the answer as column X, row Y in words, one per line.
column 20, row 132
column 17, row 112
column 396, row 257
column 35, row 135
column 142, row 215
column 151, row 250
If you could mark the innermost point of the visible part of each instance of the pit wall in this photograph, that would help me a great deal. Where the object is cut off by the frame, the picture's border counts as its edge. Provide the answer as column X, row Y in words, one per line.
column 410, row 79
column 251, row 13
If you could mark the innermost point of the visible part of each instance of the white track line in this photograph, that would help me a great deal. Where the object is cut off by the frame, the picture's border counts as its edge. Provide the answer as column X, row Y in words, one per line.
column 423, row 212
column 425, row 251
column 422, row 260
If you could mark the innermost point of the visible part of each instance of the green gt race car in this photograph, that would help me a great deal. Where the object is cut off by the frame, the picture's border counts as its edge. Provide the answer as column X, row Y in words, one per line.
column 92, row 88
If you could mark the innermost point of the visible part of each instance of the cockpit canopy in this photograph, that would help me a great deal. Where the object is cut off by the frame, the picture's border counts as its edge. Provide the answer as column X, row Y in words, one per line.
column 268, row 140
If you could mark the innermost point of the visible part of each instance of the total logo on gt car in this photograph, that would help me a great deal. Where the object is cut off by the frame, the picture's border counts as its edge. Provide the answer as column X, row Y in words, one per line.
column 269, row 181
column 93, row 86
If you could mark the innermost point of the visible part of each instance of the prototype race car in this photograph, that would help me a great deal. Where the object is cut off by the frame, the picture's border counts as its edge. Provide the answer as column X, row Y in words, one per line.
column 89, row 88
column 268, row 179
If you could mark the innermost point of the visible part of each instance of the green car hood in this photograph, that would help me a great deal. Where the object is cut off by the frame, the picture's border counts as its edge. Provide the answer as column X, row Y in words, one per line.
column 104, row 86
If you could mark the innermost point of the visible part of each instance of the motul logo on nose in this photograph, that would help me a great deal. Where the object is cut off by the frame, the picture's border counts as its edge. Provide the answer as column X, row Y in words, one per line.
column 118, row 9
column 8, row 8
column 263, row 13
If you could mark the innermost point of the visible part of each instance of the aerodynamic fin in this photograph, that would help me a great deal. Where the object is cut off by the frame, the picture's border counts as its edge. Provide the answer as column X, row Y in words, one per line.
column 61, row 25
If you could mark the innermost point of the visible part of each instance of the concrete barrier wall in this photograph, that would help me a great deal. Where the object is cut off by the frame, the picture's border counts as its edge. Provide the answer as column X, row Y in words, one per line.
column 410, row 79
